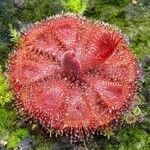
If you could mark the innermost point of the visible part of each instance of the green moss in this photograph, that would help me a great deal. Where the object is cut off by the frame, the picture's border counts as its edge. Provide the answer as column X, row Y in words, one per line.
column 134, row 138
column 6, row 118
column 75, row 6
column 15, row 35
column 45, row 146
column 8, row 131
column 138, row 29
column 5, row 92
column 130, row 139
column 7, row 122
column 16, row 137
column 36, row 10
column 98, row 9
column 4, row 50
column 115, row 2
column 4, row 134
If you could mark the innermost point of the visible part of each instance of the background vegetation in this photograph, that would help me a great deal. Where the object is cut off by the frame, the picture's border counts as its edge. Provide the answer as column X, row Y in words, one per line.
column 131, row 16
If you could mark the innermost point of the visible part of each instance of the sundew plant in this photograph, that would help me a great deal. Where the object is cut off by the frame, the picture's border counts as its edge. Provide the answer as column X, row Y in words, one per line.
column 75, row 74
